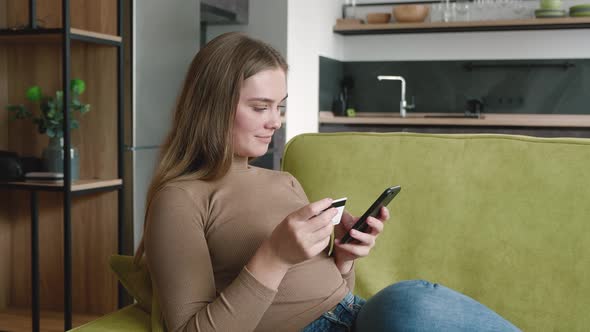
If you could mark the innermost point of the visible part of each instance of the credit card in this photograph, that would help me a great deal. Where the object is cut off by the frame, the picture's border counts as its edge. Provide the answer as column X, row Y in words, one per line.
column 339, row 205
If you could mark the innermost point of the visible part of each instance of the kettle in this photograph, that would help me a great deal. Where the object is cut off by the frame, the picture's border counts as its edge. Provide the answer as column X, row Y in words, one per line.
column 474, row 107
column 343, row 101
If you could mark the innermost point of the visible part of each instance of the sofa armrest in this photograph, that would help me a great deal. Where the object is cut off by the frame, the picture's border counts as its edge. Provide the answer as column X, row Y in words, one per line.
column 130, row 319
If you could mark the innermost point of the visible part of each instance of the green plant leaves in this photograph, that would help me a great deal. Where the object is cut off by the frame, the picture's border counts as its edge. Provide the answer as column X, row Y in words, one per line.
column 50, row 118
column 85, row 109
column 34, row 93
column 50, row 113
column 19, row 111
column 77, row 86
column 59, row 99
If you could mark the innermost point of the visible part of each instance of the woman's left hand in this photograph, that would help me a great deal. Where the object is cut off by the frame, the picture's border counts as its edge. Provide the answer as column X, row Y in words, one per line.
column 345, row 254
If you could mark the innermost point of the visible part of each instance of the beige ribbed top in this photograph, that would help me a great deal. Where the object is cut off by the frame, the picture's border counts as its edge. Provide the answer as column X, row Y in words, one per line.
column 200, row 236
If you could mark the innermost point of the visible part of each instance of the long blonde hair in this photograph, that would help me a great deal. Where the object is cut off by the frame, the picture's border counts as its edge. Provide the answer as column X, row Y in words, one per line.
column 199, row 144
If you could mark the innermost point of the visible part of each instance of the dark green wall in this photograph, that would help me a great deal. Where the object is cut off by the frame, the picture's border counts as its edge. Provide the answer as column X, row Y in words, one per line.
column 444, row 86
column 331, row 72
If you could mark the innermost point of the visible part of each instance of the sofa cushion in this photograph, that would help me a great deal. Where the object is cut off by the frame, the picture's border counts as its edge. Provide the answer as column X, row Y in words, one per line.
column 135, row 278
column 503, row 219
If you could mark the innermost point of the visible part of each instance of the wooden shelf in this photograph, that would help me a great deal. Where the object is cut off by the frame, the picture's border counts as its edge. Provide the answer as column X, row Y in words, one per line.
column 77, row 186
column 55, row 35
column 88, row 225
column 85, row 35
column 19, row 319
column 490, row 120
column 472, row 26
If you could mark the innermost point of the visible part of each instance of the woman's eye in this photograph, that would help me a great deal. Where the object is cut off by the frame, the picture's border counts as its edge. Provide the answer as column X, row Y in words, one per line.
column 260, row 108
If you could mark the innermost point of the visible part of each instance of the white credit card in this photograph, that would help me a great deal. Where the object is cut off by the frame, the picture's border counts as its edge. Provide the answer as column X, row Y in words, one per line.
column 339, row 205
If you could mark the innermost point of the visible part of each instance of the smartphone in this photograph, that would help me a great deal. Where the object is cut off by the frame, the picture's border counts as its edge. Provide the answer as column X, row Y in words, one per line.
column 373, row 211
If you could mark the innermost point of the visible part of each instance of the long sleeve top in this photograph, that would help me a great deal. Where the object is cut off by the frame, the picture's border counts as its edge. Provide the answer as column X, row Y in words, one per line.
column 200, row 236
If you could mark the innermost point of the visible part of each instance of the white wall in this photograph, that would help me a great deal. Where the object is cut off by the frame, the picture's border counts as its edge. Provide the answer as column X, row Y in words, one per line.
column 267, row 20
column 309, row 35
column 539, row 44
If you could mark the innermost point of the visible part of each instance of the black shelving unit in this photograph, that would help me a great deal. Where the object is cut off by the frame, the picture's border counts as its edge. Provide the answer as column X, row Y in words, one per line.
column 66, row 36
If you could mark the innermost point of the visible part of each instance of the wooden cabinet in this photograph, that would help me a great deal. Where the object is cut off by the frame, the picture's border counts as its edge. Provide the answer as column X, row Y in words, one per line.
column 90, row 43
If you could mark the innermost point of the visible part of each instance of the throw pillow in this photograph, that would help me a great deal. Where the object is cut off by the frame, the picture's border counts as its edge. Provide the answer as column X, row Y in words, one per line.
column 135, row 278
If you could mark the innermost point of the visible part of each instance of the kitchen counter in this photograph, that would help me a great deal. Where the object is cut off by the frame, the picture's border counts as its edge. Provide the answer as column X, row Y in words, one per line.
column 487, row 120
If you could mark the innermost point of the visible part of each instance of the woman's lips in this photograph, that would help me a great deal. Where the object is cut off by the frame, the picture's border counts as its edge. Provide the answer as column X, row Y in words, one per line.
column 265, row 139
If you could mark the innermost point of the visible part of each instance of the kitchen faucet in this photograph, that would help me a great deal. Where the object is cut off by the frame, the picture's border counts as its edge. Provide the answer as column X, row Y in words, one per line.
column 403, row 105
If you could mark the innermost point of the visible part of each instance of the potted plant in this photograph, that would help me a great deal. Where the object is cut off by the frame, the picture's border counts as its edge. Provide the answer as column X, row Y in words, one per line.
column 49, row 121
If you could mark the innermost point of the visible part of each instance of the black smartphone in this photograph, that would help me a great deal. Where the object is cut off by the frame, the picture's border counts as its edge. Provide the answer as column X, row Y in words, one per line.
column 373, row 211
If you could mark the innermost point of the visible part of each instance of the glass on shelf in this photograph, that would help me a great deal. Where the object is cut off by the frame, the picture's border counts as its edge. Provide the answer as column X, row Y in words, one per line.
column 441, row 11
column 449, row 12
column 463, row 11
column 523, row 9
column 350, row 12
column 436, row 12
column 480, row 10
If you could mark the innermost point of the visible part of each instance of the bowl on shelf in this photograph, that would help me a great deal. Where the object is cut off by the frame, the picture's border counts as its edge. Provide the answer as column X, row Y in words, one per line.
column 410, row 13
column 550, row 13
column 378, row 18
column 580, row 10
column 580, row 7
column 551, row 4
column 580, row 14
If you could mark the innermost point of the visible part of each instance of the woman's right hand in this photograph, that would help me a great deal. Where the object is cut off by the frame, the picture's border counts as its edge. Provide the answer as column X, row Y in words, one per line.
column 301, row 235
column 304, row 233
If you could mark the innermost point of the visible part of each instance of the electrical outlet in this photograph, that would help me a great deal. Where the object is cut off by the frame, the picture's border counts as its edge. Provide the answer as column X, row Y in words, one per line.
column 504, row 101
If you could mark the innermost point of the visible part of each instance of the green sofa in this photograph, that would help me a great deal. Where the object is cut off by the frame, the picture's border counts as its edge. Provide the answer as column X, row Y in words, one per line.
column 503, row 219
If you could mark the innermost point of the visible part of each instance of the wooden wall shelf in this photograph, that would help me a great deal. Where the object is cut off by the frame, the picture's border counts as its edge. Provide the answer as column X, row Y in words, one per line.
column 83, row 185
column 472, row 26
column 63, row 233
column 55, row 35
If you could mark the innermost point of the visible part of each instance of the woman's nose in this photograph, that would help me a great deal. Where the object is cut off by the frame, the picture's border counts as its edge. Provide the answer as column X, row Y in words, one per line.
column 274, row 121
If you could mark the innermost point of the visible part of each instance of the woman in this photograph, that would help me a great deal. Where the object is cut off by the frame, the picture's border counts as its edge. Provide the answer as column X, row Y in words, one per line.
column 231, row 247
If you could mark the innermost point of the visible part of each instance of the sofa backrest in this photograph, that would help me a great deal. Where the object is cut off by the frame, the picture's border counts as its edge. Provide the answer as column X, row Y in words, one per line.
column 503, row 219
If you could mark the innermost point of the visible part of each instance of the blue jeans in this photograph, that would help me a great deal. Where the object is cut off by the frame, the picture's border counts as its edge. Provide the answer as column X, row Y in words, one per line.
column 414, row 305
column 341, row 318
